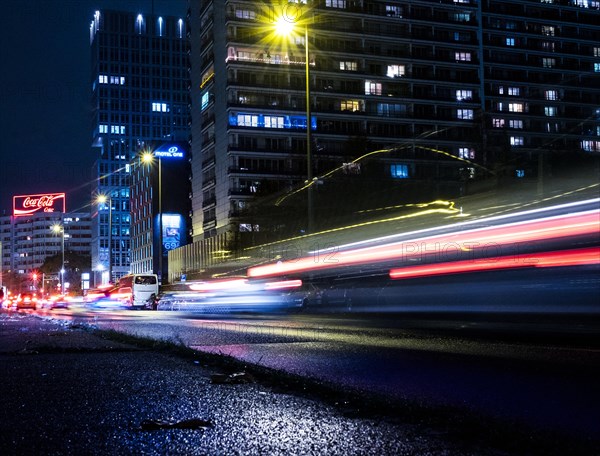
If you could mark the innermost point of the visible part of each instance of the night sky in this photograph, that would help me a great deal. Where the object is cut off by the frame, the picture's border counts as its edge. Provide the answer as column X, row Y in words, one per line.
column 45, row 93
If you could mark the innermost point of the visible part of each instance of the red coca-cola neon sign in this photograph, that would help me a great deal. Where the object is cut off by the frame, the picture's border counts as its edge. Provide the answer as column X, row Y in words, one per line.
column 30, row 204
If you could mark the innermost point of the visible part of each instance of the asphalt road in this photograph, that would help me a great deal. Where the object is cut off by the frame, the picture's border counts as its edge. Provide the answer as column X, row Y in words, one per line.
column 536, row 375
column 69, row 390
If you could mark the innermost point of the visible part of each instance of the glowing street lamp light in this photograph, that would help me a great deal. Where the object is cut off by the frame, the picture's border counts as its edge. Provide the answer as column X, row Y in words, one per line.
column 60, row 229
column 284, row 25
column 104, row 199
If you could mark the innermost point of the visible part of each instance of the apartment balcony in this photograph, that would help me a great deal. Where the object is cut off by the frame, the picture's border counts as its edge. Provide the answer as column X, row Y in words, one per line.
column 237, row 191
column 254, row 172
column 210, row 161
column 209, row 224
column 209, row 183
column 207, row 120
column 266, row 149
column 209, row 202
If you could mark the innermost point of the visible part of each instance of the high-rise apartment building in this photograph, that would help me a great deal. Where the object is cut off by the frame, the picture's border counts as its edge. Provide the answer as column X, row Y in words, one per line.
column 140, row 98
column 28, row 240
column 452, row 90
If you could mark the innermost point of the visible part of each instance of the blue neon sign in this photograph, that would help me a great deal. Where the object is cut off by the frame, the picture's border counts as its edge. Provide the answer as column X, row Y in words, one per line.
column 169, row 151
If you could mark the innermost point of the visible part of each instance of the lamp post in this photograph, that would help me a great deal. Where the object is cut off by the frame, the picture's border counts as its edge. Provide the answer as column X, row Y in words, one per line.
column 148, row 157
column 103, row 199
column 284, row 26
column 57, row 228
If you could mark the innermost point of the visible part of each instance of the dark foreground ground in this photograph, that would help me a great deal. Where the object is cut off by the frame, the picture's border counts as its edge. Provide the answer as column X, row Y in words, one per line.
column 68, row 389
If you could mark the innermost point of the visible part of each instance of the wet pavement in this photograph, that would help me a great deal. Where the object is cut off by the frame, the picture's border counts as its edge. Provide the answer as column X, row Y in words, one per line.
column 69, row 389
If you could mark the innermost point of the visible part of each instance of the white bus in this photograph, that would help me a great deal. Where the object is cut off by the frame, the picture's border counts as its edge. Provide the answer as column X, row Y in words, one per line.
column 137, row 290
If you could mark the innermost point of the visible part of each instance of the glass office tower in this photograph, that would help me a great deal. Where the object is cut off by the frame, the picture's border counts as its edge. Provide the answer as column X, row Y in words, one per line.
column 140, row 100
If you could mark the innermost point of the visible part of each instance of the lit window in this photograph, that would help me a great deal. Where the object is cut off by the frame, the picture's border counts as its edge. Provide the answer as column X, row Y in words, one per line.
column 464, row 114
column 551, row 95
column 547, row 30
column 510, row 41
column 395, row 71
column 204, row 101
column 501, row 90
column 466, row 153
column 245, row 14
column 103, row 79
column 180, row 28
column 597, row 67
column 139, row 23
column 516, row 141
column 348, row 65
column 335, row 4
column 393, row 11
column 498, row 123
column 160, row 107
column 399, row 171
column 102, row 128
column 548, row 46
column 247, row 120
column 590, row 146
column 514, row 91
column 581, row 3
column 462, row 17
column 515, row 107
column 274, row 121
column 372, row 88
column 462, row 95
column 548, row 62
column 391, row 109
column 244, row 55
column 350, row 105
column 518, row 124
column 549, row 111
column 597, row 52
column 462, row 56
column 117, row 129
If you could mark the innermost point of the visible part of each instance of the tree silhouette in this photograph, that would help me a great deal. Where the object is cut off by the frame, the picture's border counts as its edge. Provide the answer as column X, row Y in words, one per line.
column 75, row 264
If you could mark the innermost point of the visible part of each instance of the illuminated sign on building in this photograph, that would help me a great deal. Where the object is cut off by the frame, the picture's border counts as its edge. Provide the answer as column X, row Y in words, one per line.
column 172, row 226
column 24, row 205
column 169, row 151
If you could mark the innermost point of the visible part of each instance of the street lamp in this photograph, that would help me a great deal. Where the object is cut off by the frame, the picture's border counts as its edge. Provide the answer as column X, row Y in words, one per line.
column 284, row 25
column 103, row 199
column 148, row 158
column 60, row 229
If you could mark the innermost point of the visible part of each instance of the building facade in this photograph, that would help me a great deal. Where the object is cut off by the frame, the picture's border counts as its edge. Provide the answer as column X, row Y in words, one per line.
column 28, row 240
column 140, row 88
column 160, row 207
column 445, row 91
